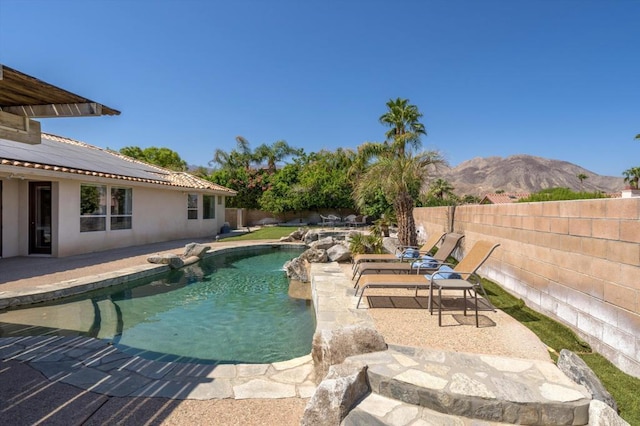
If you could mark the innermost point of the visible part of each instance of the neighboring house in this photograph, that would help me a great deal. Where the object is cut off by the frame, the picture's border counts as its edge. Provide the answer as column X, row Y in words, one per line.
column 61, row 197
column 503, row 198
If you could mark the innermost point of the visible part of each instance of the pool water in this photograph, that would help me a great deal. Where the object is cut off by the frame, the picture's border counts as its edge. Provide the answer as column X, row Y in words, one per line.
column 228, row 308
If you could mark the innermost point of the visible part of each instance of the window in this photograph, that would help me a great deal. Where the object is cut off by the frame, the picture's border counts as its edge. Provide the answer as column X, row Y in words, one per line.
column 192, row 206
column 220, row 198
column 208, row 207
column 121, row 208
column 93, row 208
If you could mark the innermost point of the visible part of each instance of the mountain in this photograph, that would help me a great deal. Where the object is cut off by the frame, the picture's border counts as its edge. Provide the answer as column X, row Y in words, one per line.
column 524, row 173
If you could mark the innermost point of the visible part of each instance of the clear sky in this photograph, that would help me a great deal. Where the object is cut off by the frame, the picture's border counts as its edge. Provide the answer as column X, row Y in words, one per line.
column 553, row 78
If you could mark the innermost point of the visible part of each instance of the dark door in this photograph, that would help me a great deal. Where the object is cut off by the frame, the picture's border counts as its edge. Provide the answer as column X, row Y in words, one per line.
column 39, row 217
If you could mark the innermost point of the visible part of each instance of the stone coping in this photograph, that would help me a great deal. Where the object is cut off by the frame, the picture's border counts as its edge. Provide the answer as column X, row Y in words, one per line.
column 72, row 287
column 95, row 365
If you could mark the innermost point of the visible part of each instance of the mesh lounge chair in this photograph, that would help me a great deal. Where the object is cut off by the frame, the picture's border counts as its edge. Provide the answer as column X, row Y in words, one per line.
column 330, row 220
column 449, row 244
column 400, row 252
column 462, row 277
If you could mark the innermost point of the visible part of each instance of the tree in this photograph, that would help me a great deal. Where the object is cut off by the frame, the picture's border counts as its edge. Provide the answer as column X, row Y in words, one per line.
column 581, row 177
column 163, row 157
column 274, row 153
column 325, row 179
column 440, row 188
column 632, row 176
column 240, row 169
column 396, row 169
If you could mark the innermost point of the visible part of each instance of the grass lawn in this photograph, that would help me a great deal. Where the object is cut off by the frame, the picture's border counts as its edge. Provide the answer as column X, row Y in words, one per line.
column 623, row 387
column 266, row 233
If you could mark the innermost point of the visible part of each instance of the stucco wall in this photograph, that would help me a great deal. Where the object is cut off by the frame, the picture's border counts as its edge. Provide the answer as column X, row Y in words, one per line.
column 10, row 218
column 158, row 214
column 576, row 261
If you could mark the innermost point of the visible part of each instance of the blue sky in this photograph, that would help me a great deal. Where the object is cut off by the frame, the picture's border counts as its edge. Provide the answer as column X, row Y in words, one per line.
column 553, row 78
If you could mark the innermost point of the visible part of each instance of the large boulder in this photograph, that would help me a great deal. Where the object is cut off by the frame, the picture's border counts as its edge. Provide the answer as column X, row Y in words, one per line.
column 323, row 243
column 310, row 236
column 345, row 385
column 313, row 255
column 339, row 253
column 578, row 371
column 296, row 269
column 298, row 234
column 173, row 260
column 600, row 414
column 332, row 347
column 195, row 249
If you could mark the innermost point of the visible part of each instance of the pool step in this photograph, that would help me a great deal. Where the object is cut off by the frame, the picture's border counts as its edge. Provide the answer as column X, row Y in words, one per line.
column 421, row 383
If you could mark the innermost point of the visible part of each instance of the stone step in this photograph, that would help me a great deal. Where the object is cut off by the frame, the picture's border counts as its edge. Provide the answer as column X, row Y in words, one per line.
column 488, row 388
column 377, row 410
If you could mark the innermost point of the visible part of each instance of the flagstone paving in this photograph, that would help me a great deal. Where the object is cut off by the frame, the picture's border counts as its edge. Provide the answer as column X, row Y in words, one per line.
column 409, row 385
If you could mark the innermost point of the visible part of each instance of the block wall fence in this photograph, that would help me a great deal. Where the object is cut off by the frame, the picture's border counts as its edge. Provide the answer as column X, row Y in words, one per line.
column 575, row 261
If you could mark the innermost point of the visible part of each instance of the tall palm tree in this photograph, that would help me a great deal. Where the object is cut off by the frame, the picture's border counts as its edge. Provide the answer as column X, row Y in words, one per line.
column 273, row 153
column 396, row 169
column 632, row 176
column 581, row 177
column 440, row 187
column 240, row 157
column 403, row 120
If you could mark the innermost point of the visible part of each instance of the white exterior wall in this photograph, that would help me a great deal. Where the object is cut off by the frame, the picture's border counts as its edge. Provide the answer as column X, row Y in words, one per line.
column 10, row 217
column 158, row 214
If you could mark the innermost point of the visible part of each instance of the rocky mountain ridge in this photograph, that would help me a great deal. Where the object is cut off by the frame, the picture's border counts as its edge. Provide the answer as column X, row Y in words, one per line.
column 524, row 173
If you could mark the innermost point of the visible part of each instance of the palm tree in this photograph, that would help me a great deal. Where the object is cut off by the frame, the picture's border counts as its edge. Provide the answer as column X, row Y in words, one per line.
column 581, row 177
column 240, row 157
column 405, row 127
column 273, row 153
column 440, row 187
column 632, row 176
column 397, row 170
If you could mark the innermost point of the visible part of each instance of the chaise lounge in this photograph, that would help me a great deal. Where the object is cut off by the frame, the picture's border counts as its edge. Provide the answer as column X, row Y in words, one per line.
column 425, row 264
column 401, row 252
column 462, row 277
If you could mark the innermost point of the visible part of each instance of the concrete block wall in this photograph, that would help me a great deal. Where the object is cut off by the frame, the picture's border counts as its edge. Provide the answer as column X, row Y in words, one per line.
column 576, row 261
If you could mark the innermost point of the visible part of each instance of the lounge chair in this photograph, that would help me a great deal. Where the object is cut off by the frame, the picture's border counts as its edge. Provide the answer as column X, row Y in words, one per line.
column 330, row 220
column 461, row 277
column 401, row 252
column 352, row 220
column 449, row 244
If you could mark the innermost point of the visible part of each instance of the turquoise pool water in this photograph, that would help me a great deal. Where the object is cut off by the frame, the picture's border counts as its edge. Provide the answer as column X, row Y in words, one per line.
column 229, row 308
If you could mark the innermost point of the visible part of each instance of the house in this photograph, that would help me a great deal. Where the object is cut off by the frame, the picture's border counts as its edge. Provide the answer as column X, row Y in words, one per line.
column 503, row 198
column 61, row 197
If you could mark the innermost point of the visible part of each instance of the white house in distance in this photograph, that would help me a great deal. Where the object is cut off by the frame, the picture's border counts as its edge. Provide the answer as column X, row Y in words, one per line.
column 62, row 197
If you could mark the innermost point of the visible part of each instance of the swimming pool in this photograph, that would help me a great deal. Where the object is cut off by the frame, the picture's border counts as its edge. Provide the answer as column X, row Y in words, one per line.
column 232, row 307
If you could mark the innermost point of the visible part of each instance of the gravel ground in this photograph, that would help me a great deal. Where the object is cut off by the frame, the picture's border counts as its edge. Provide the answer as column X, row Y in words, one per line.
column 229, row 412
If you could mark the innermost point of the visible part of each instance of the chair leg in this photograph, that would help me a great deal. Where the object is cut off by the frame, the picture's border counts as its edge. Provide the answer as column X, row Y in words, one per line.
column 430, row 301
column 360, row 298
column 475, row 295
column 484, row 293
column 439, row 306
column 464, row 301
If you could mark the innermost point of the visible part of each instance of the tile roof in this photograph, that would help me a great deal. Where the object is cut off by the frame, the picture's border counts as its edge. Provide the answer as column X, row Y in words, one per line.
column 503, row 198
column 65, row 155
